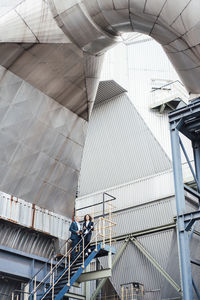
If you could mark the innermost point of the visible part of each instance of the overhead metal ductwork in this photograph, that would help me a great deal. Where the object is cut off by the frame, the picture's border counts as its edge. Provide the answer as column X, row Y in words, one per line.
column 51, row 52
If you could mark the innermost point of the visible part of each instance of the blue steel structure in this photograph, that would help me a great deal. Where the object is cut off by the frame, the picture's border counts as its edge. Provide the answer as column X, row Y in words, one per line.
column 67, row 275
column 186, row 120
column 24, row 265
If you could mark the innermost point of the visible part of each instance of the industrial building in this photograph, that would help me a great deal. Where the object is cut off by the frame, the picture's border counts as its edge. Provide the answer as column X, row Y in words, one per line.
column 89, row 128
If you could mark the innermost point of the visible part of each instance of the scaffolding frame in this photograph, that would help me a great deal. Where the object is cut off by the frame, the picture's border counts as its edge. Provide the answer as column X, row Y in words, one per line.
column 186, row 120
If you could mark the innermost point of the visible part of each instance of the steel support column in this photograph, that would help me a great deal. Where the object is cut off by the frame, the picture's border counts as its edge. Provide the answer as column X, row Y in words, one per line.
column 196, row 151
column 184, row 251
column 187, row 121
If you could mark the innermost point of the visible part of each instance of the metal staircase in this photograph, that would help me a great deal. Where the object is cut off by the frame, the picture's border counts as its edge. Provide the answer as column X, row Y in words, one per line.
column 66, row 273
column 71, row 273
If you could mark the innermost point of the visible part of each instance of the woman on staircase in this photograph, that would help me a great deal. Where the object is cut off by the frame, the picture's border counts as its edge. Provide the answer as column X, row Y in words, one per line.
column 88, row 227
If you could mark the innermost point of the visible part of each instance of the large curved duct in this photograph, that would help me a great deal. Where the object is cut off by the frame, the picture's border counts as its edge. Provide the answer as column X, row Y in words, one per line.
column 51, row 52
column 95, row 25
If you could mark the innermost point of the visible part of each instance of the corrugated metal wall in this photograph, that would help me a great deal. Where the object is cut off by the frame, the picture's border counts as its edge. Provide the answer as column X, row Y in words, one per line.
column 162, row 245
column 132, row 193
column 26, row 214
column 144, row 217
column 134, row 67
column 119, row 147
column 133, row 266
column 26, row 240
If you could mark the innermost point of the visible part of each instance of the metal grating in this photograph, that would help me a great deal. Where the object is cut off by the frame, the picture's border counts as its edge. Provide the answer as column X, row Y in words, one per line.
column 107, row 90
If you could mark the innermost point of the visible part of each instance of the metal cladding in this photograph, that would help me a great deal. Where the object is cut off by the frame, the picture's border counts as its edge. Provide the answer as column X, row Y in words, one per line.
column 119, row 146
column 57, row 48
column 41, row 146
column 34, row 217
column 81, row 27
column 29, row 241
column 133, row 266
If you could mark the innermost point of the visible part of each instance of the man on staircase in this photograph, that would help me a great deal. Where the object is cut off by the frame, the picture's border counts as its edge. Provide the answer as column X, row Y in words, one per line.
column 75, row 229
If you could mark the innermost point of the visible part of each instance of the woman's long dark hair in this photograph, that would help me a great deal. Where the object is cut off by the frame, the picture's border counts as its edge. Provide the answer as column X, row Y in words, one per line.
column 90, row 218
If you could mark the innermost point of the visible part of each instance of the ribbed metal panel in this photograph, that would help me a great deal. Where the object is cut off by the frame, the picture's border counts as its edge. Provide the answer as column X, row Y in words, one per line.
column 34, row 217
column 26, row 240
column 133, row 193
column 144, row 217
column 134, row 266
column 144, row 62
column 107, row 90
column 119, row 147
column 41, row 146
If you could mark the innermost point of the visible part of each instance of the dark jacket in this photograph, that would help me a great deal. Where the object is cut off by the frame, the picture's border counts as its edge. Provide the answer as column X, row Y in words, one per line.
column 90, row 225
column 73, row 228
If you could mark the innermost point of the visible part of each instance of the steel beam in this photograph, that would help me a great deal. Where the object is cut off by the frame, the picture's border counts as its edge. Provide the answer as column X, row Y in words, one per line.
column 94, row 275
column 188, row 160
column 124, row 237
column 156, row 264
column 190, row 218
column 75, row 296
column 191, row 191
column 185, row 112
column 183, row 239
column 196, row 151
column 115, row 260
column 20, row 264
column 195, row 262
column 187, row 121
column 87, row 285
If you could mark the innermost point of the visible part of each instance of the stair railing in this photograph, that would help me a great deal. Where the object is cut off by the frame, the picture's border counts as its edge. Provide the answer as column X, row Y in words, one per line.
column 54, row 270
column 33, row 280
column 51, row 278
column 100, row 229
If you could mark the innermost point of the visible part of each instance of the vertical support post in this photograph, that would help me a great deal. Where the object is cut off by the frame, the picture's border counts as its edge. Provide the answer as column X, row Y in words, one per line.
column 103, row 231
column 12, row 296
column 31, row 287
column 132, row 292
column 196, row 151
column 96, row 241
column 65, row 255
column 99, row 226
column 110, row 228
column 53, row 288
column 51, row 272
column 98, row 267
column 122, row 293
column 109, row 260
column 69, row 270
column 26, row 290
column 183, row 240
column 87, row 285
column 44, row 274
column 35, row 292
column 96, row 237
column 126, row 293
column 103, row 205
